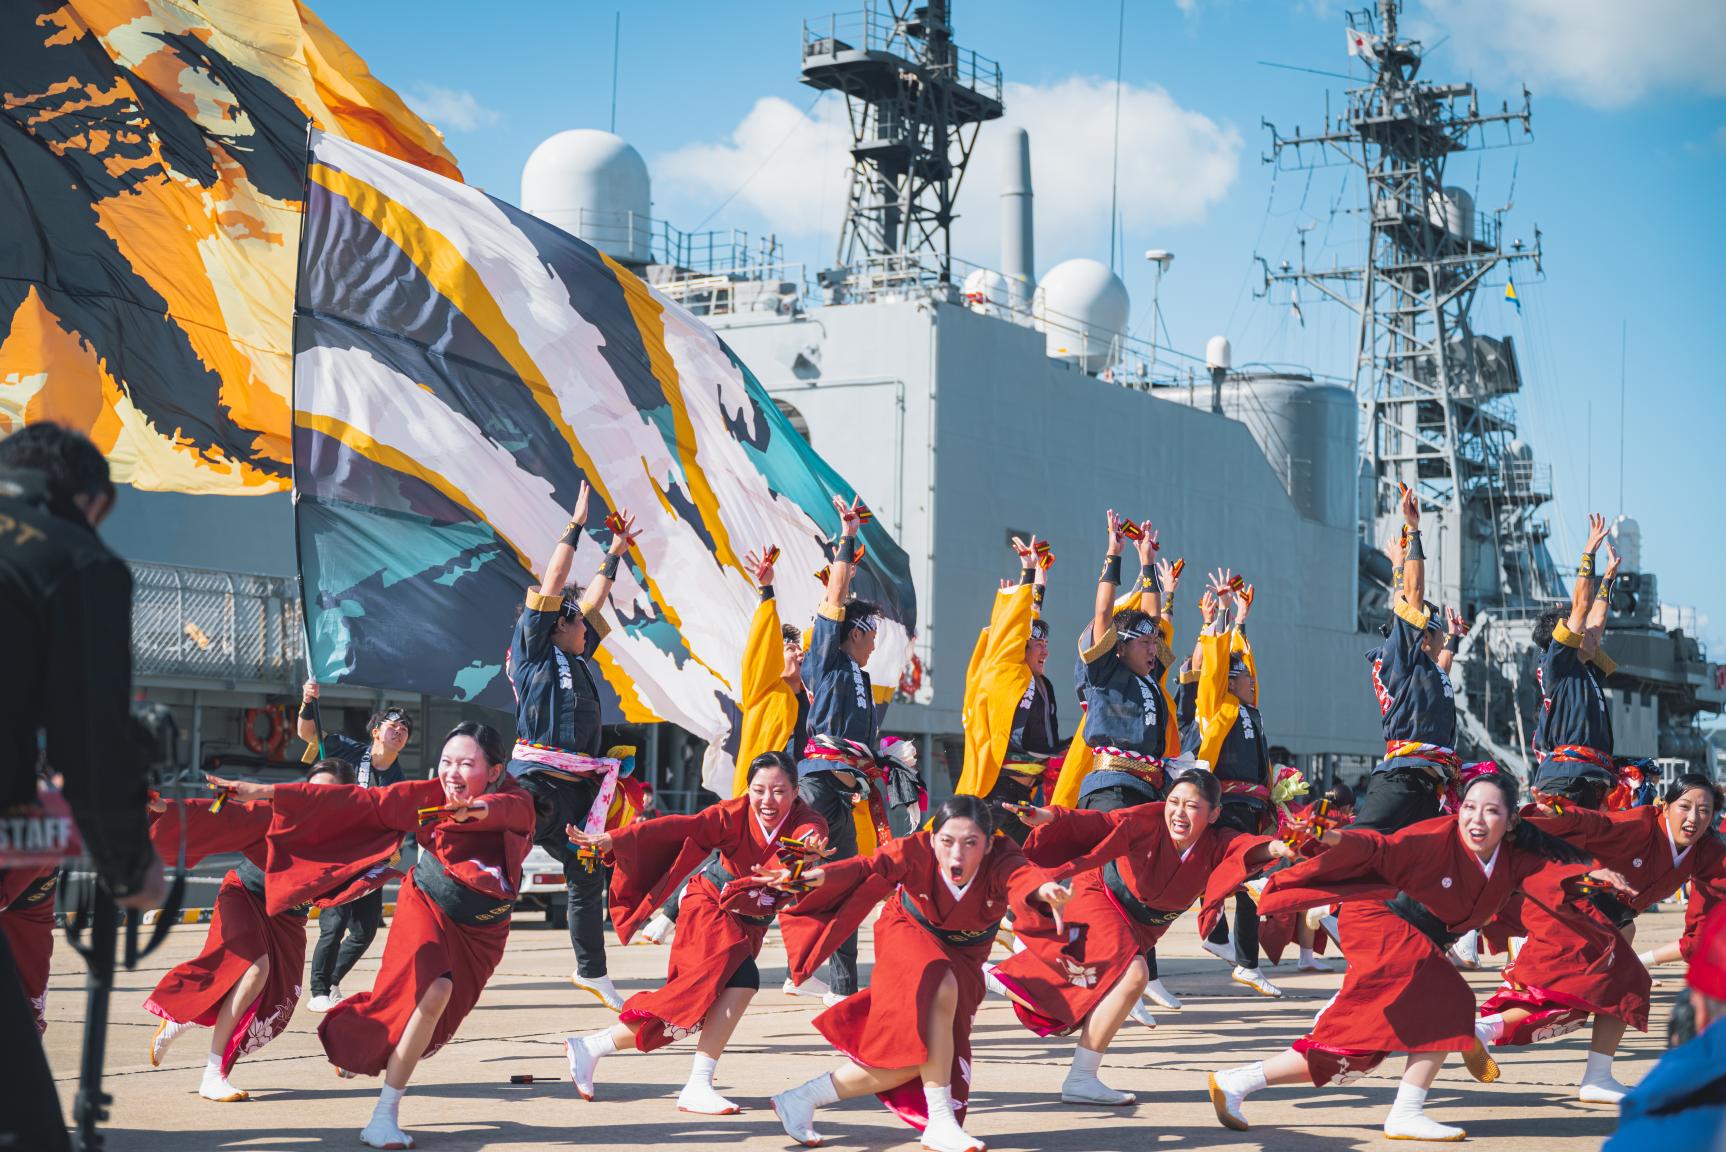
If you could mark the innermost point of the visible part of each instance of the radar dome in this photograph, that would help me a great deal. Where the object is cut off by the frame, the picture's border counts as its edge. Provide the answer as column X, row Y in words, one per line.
column 986, row 291
column 594, row 185
column 1082, row 308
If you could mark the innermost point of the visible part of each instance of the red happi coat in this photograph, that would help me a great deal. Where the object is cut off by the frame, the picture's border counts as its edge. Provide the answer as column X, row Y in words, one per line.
column 242, row 932
column 1400, row 993
column 424, row 943
column 882, row 1026
column 1575, row 961
column 716, row 931
column 1066, row 969
column 27, row 919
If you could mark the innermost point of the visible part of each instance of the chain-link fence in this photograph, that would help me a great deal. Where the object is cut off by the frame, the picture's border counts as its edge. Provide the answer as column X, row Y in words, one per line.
column 230, row 626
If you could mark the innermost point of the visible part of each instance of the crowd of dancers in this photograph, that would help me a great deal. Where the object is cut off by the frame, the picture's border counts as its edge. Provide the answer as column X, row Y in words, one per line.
column 1075, row 855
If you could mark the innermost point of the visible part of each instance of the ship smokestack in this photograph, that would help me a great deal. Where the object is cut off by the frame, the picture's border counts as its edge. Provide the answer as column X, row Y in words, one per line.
column 1018, row 258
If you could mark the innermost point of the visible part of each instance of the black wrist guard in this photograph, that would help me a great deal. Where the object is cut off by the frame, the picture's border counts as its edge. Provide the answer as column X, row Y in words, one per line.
column 1148, row 578
column 1453, row 643
column 308, row 710
column 846, row 553
column 1586, row 568
column 1415, row 551
column 609, row 568
column 766, row 593
column 1037, row 595
column 1606, row 583
column 1111, row 570
column 571, row 534
column 1026, row 575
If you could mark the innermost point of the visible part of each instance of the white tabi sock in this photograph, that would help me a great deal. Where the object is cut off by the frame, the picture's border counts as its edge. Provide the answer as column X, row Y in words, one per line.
column 388, row 1106
column 1242, row 1081
column 1490, row 1029
column 822, row 1091
column 939, row 1101
column 1306, row 956
column 701, row 1071
column 1086, row 1062
column 1598, row 1070
column 1647, row 958
column 599, row 1044
column 213, row 1067
column 1410, row 1101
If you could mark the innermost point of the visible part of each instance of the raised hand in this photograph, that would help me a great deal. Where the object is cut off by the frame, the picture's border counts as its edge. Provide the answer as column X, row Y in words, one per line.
column 1596, row 532
column 1246, row 601
column 1410, row 507
column 1454, row 623
column 1147, row 545
column 309, row 692
column 850, row 515
column 1116, row 533
column 578, row 514
column 1027, row 552
column 1613, row 560
column 624, row 534
column 1208, row 606
column 1169, row 576
column 760, row 567
column 1395, row 548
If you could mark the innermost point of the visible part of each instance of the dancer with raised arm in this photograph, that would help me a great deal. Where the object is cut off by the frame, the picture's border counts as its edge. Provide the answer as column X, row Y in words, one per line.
column 907, row 1037
column 721, row 924
column 1411, row 894
column 474, row 826
column 1136, row 871
column 245, row 983
column 1573, row 734
column 556, row 757
column 1577, row 960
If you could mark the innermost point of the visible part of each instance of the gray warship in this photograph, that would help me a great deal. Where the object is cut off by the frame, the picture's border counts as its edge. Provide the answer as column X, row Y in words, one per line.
column 969, row 404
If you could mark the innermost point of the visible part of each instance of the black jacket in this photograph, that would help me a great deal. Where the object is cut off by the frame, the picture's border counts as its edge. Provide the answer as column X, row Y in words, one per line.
column 66, row 675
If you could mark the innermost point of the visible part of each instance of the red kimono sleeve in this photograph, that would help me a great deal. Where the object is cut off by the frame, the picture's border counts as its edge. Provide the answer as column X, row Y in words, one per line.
column 1234, row 865
column 1614, row 837
column 1352, row 870
column 825, row 918
column 324, row 836
column 1706, row 894
column 1079, row 840
column 653, row 857
column 236, row 828
column 485, row 854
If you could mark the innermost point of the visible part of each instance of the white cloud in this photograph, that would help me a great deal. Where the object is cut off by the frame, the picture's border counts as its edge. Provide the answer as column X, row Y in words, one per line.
column 1174, row 164
column 1606, row 53
column 450, row 109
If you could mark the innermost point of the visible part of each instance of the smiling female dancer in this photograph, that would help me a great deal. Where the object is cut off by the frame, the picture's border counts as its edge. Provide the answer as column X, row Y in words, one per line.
column 474, row 826
column 720, row 926
column 1577, row 959
column 245, row 983
column 1137, row 870
column 1401, row 994
column 908, row 1035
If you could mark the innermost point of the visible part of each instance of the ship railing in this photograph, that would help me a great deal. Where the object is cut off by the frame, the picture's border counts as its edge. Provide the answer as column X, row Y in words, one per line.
column 203, row 624
column 1526, row 479
column 776, row 289
column 874, row 28
column 660, row 242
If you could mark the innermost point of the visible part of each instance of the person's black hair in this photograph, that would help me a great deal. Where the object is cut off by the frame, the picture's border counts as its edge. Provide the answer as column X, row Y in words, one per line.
column 856, row 611
column 1210, row 788
column 973, row 808
column 490, row 743
column 377, row 717
column 1546, row 623
column 1681, row 1025
column 772, row 760
column 72, row 464
column 791, row 634
column 1340, row 794
column 1690, row 780
column 340, row 769
column 1129, row 618
column 1525, row 837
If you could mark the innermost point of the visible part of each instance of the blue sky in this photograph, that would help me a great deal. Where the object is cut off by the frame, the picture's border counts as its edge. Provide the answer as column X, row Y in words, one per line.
column 1622, row 176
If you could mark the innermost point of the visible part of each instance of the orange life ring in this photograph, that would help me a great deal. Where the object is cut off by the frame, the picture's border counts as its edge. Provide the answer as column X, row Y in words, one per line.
column 271, row 744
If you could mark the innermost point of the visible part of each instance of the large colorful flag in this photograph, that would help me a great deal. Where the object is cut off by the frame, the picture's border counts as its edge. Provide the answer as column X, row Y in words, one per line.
column 459, row 368
column 152, row 170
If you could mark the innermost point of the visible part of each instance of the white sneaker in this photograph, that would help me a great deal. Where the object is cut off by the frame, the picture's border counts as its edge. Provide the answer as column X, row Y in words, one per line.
column 1159, row 995
column 1228, row 1106
column 796, row 1112
column 945, row 1135
column 832, row 998
column 1091, row 1090
column 581, row 1065
column 325, row 1002
column 1254, row 979
column 383, row 1134
column 1142, row 1015
column 166, row 1033
column 218, row 1089
column 703, row 1100
column 993, row 984
column 659, row 930
column 814, row 986
column 1220, row 951
column 600, row 988
column 1420, row 1126
column 1608, row 1091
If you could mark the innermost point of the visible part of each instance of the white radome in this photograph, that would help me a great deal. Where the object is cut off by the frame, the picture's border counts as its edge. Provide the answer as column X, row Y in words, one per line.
column 1082, row 307
column 596, row 186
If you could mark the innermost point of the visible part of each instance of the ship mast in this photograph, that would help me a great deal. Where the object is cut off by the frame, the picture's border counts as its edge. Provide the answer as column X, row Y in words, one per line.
column 1433, row 395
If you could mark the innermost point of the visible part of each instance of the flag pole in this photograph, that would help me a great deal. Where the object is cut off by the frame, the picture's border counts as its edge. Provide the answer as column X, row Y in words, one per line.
column 314, row 748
